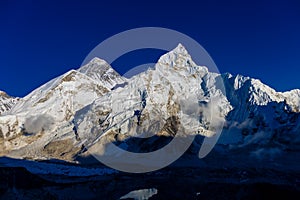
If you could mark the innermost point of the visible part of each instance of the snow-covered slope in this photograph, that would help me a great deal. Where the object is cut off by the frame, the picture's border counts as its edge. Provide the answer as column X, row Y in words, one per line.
column 260, row 115
column 254, row 112
column 62, row 96
column 80, row 109
column 160, row 101
column 6, row 102
column 51, row 108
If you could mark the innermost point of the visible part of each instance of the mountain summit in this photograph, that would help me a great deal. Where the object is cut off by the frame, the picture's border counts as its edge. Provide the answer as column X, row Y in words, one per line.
column 101, row 71
column 82, row 109
column 6, row 102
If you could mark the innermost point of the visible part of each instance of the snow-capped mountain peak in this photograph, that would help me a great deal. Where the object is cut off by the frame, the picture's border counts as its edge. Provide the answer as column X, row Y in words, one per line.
column 6, row 102
column 180, row 49
column 84, row 108
column 181, row 61
column 101, row 71
column 3, row 94
column 95, row 63
column 177, row 55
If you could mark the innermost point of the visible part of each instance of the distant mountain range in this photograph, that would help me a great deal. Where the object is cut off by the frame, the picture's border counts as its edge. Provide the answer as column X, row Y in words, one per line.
column 94, row 104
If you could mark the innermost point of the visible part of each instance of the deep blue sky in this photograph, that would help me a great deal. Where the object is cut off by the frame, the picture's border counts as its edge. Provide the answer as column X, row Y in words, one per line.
column 40, row 40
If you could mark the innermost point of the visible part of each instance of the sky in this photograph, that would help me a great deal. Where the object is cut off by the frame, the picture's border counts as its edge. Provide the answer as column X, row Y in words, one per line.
column 40, row 40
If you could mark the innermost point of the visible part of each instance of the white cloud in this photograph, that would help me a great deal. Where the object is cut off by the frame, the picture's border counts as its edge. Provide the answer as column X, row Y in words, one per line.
column 38, row 123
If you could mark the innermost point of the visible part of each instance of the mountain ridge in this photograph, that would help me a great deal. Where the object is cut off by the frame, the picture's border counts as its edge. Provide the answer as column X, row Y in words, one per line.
column 6, row 102
column 246, row 106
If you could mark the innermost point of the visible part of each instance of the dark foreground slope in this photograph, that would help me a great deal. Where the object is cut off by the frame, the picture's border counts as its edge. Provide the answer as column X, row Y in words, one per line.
column 211, row 178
